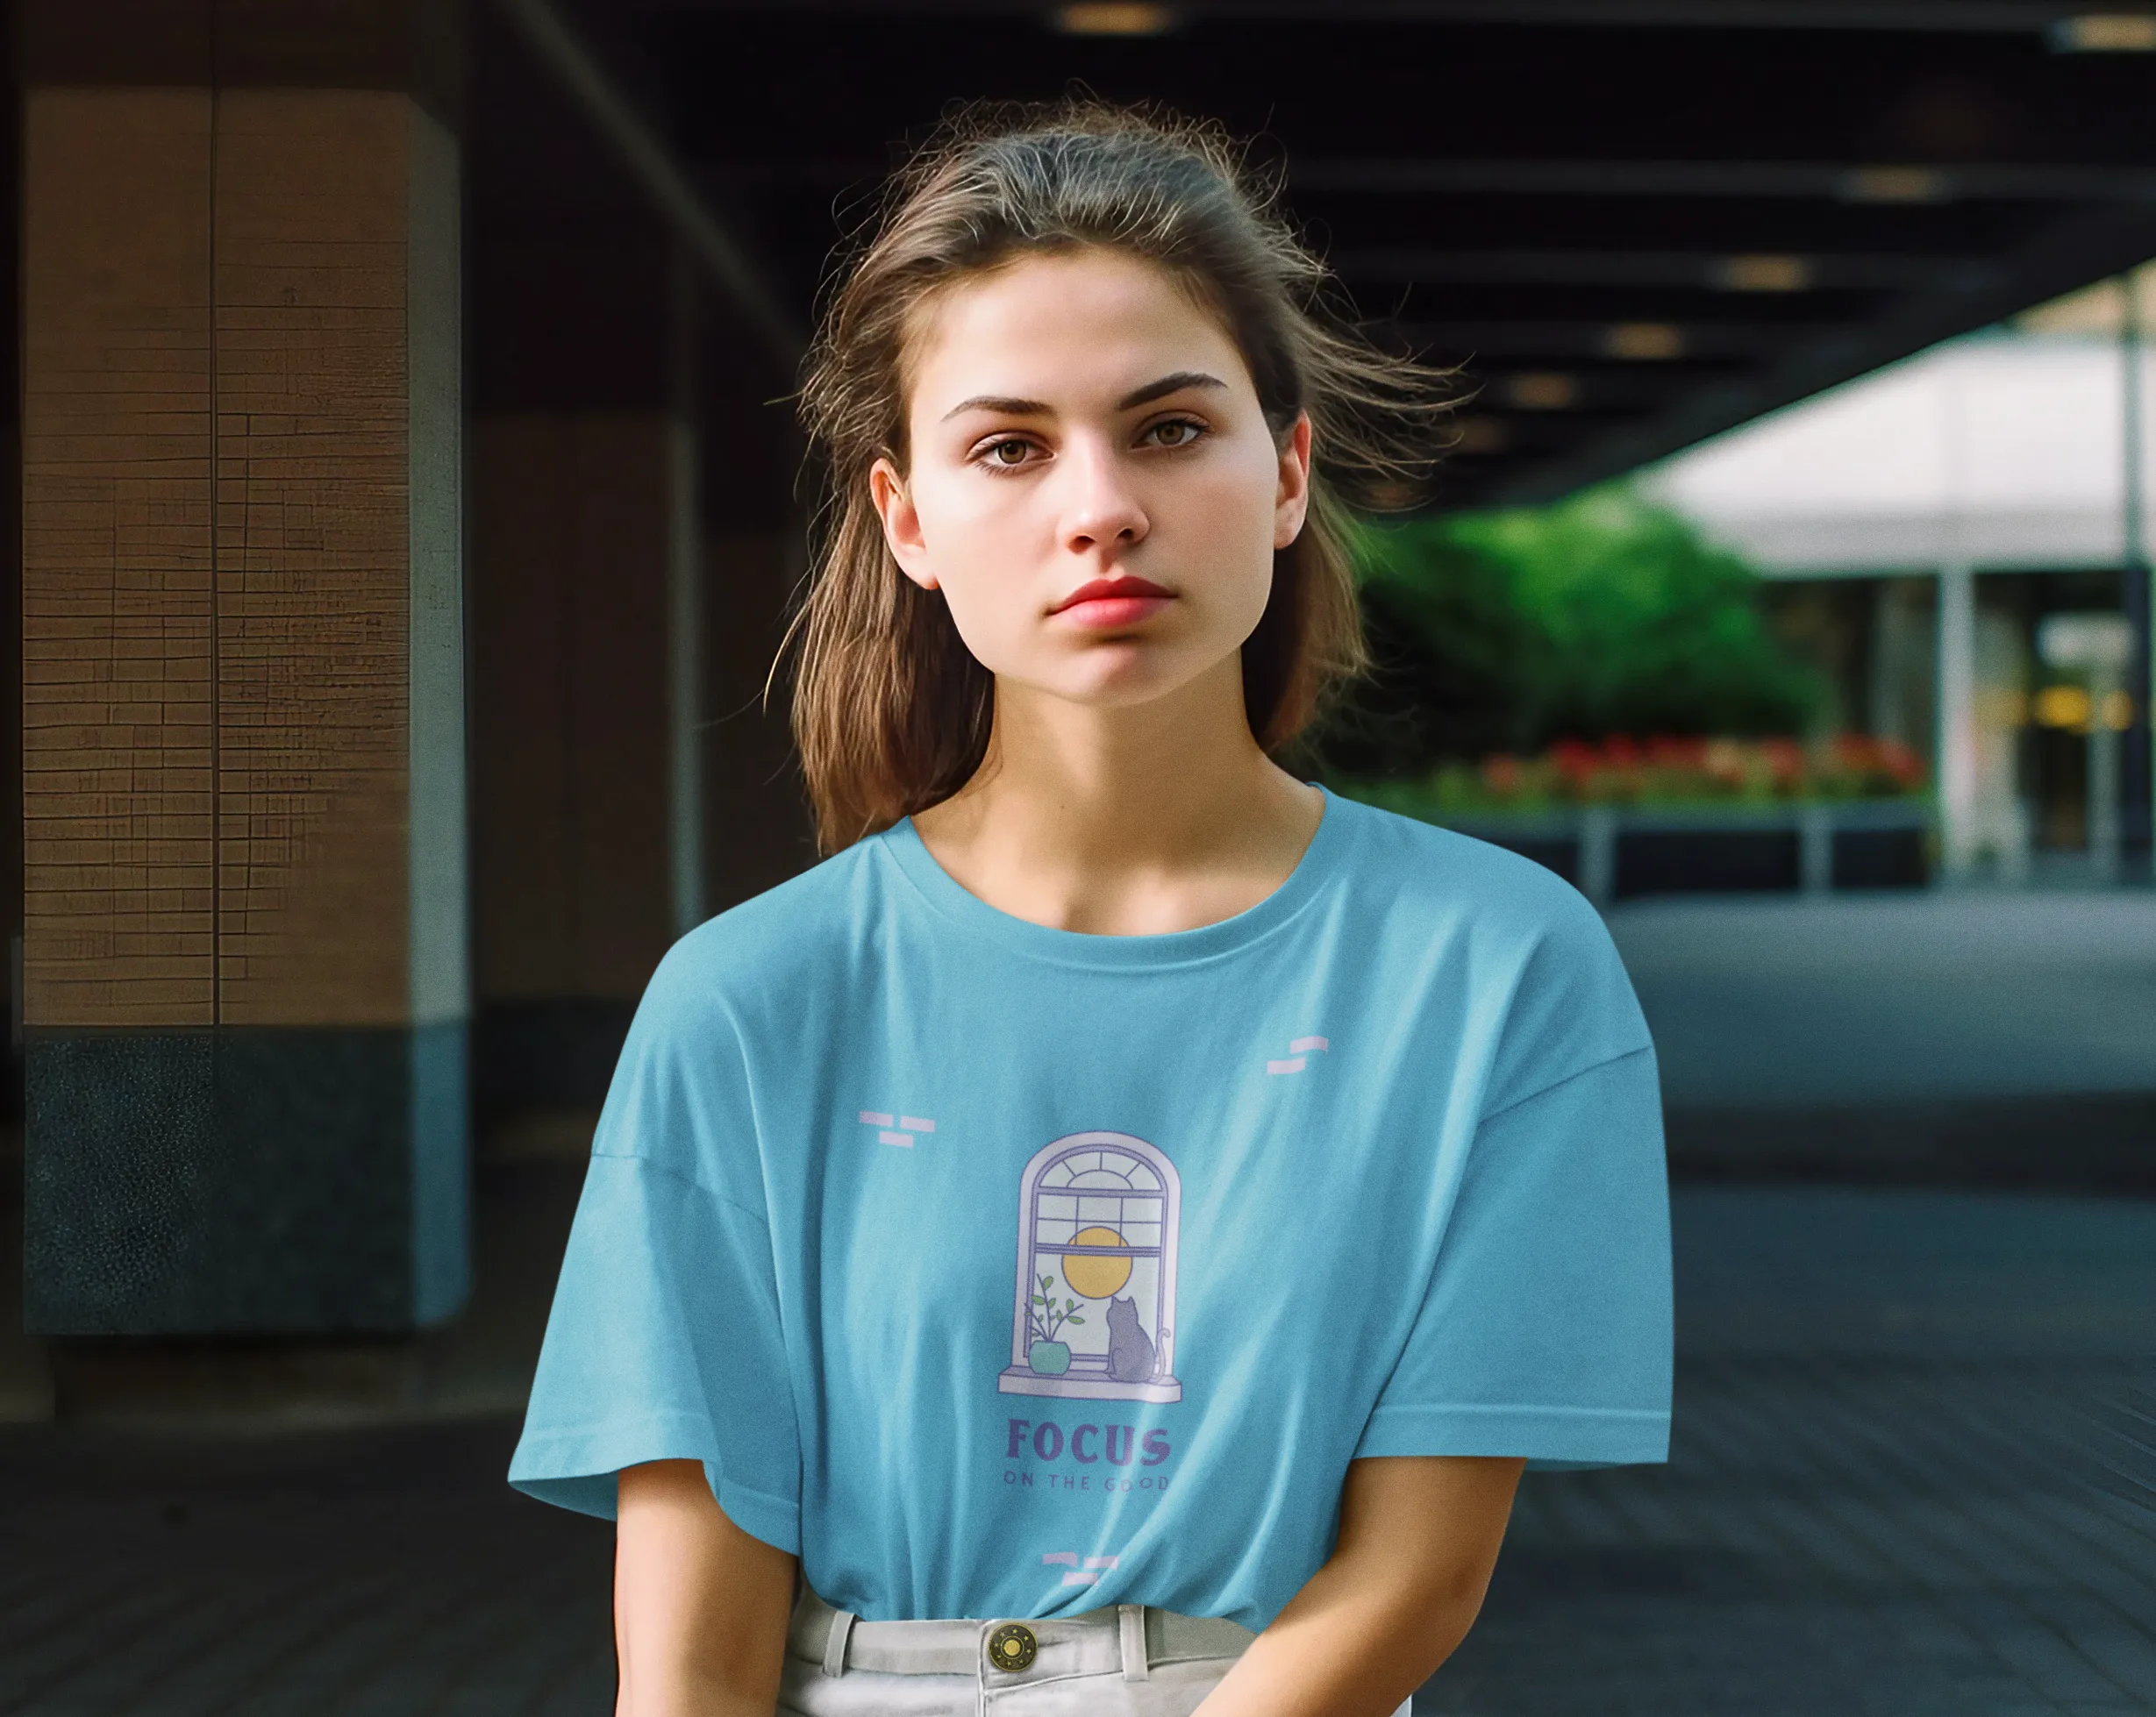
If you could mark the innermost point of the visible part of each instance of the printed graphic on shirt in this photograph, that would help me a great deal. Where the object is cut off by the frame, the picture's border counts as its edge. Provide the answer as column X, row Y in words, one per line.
column 1089, row 1575
column 1094, row 1316
column 1298, row 1055
column 896, row 1129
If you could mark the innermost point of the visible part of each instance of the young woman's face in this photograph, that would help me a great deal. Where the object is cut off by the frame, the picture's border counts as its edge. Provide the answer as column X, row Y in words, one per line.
column 1092, row 485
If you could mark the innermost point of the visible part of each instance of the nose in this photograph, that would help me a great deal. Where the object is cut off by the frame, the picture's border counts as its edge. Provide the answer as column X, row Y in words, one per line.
column 1101, row 508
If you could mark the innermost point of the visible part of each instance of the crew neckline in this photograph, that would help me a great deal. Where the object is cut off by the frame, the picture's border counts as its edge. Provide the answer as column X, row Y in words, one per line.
column 950, row 899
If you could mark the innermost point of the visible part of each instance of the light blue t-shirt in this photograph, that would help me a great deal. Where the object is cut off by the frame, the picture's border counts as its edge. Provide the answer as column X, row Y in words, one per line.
column 1002, row 1270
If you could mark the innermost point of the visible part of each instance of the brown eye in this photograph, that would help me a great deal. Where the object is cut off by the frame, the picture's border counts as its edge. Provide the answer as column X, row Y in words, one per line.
column 1013, row 452
column 1176, row 433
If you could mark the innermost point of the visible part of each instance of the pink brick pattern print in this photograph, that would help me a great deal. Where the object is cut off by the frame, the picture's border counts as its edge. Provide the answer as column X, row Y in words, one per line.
column 1299, row 1051
column 899, row 1129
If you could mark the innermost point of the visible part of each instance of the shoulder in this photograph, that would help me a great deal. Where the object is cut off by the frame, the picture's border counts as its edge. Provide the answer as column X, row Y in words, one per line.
column 789, row 939
column 1417, row 870
column 733, row 991
column 1545, row 980
column 716, row 1019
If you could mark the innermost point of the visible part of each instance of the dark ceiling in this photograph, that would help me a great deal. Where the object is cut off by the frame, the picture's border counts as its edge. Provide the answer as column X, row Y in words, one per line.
column 1634, row 224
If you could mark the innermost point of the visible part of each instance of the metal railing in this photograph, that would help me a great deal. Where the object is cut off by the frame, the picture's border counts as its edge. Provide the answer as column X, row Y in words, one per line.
column 1594, row 832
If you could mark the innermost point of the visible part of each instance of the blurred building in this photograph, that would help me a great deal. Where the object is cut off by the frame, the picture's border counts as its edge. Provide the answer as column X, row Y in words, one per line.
column 1959, row 537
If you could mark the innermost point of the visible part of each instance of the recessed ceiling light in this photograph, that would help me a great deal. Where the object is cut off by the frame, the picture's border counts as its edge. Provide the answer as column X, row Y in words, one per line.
column 1541, row 390
column 1644, row 340
column 1114, row 18
column 1896, row 184
column 2105, row 33
column 1482, row 435
column 1762, row 273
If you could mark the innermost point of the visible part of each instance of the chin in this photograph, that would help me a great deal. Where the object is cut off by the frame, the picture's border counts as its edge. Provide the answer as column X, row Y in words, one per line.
column 1139, row 678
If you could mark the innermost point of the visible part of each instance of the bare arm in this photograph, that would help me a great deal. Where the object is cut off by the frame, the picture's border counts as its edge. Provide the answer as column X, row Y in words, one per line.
column 1419, row 1538
column 700, row 1607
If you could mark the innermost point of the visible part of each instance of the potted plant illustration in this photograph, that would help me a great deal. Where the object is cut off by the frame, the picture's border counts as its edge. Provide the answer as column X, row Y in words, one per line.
column 1048, row 1357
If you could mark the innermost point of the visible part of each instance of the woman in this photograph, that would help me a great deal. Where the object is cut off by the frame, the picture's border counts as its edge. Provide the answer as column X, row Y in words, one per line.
column 1117, row 1230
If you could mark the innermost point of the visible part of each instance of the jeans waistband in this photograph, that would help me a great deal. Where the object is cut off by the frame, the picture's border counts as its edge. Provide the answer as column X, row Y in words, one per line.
column 1131, row 1638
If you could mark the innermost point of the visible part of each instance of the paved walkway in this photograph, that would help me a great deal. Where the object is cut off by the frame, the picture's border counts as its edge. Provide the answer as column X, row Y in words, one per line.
column 381, row 1574
column 1913, row 1474
column 1948, row 1038
column 1887, row 999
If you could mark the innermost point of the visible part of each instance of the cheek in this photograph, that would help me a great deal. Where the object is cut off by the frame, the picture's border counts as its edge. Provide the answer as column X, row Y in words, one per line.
column 978, row 545
column 968, row 516
column 1228, row 521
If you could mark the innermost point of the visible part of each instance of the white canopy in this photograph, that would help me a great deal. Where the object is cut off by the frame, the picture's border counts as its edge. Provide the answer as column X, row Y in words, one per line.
column 2002, row 451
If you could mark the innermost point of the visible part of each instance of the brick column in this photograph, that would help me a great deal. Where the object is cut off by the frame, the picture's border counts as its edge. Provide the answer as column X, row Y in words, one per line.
column 244, row 893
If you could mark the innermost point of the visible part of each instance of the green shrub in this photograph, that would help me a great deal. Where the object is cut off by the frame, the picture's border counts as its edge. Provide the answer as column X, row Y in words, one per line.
column 1508, row 631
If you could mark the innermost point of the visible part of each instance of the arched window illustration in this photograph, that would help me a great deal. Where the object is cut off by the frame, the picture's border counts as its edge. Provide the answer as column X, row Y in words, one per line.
column 1094, row 1313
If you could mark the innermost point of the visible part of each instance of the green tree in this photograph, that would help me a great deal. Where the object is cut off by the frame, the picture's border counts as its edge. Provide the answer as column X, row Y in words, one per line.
column 1598, row 614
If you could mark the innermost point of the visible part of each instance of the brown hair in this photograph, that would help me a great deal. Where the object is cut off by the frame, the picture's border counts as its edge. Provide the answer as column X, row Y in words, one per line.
column 892, row 711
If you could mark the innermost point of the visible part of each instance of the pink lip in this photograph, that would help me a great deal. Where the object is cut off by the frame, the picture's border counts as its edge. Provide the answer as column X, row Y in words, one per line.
column 1109, row 603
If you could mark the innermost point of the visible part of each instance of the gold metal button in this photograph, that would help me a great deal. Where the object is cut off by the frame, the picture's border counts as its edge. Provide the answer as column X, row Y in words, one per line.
column 1013, row 1647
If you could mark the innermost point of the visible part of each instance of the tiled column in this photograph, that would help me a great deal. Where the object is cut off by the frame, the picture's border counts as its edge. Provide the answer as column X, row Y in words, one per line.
column 245, row 918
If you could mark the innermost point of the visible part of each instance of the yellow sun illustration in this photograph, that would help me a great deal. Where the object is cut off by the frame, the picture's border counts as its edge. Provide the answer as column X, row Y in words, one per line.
column 1094, row 1277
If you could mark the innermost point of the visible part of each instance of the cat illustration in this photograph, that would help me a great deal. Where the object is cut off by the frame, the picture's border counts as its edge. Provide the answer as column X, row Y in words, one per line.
column 1130, row 1348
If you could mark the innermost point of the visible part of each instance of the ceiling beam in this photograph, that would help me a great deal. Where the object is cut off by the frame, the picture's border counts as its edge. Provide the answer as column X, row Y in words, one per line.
column 1857, row 182
column 2065, row 254
column 655, row 173
column 1693, row 342
column 1923, row 16
column 1920, row 17
column 1720, row 272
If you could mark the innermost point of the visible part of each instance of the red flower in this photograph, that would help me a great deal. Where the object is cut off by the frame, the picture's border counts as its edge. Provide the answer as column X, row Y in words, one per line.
column 1785, row 760
column 1899, row 762
column 1575, row 759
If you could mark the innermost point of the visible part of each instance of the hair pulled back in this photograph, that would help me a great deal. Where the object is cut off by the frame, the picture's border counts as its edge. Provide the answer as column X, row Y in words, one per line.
column 892, row 711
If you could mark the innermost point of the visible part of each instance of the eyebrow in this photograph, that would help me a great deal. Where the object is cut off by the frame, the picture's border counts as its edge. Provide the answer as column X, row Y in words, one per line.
column 1167, row 385
column 1005, row 405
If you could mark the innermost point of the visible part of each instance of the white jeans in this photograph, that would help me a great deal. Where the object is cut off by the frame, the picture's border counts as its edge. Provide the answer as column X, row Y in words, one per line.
column 1125, row 1662
column 1172, row 1690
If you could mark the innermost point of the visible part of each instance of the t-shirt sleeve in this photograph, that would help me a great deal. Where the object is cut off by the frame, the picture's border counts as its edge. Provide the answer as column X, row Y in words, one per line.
column 1545, row 1330
column 665, row 1341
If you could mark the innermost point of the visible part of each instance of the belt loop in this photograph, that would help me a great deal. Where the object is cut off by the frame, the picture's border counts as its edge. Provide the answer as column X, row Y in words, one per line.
column 1131, row 1623
column 834, row 1642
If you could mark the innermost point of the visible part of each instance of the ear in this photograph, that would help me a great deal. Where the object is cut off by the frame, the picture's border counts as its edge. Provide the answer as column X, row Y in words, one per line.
column 902, row 523
column 1291, row 499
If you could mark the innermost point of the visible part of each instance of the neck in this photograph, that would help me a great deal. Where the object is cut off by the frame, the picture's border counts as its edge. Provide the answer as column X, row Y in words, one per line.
column 1157, row 817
